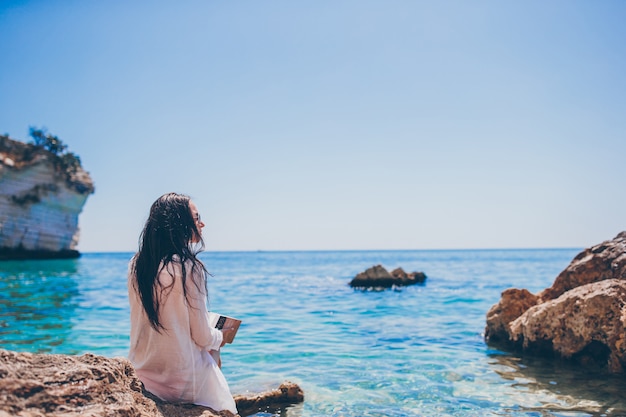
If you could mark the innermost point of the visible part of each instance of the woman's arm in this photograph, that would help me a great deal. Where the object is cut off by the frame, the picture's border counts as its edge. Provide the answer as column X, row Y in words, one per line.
column 202, row 334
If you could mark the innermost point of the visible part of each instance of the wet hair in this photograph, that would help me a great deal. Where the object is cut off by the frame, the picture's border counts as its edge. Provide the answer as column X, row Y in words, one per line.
column 167, row 238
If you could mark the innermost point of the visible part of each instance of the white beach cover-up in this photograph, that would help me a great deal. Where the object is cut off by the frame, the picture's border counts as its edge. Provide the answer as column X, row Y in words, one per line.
column 175, row 365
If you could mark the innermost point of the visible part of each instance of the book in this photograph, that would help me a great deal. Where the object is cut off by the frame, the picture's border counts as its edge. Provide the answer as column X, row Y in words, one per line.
column 220, row 321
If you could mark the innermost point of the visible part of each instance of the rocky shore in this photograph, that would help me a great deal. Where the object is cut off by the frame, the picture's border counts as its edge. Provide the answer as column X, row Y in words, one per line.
column 581, row 317
column 37, row 385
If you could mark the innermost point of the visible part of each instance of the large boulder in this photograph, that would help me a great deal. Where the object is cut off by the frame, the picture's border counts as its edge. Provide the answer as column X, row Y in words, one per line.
column 91, row 385
column 586, row 323
column 378, row 277
column 582, row 316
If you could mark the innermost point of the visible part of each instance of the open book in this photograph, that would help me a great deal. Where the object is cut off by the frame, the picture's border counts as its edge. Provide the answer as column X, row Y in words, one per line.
column 220, row 321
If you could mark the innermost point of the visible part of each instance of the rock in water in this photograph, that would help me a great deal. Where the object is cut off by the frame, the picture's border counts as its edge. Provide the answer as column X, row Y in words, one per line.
column 378, row 277
column 286, row 394
column 41, row 196
column 93, row 386
column 582, row 316
column 408, row 279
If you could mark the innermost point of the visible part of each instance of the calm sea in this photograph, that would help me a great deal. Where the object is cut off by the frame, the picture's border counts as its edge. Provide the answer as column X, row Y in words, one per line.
column 416, row 351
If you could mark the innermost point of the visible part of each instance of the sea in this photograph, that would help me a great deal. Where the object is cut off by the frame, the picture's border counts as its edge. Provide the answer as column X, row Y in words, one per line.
column 411, row 351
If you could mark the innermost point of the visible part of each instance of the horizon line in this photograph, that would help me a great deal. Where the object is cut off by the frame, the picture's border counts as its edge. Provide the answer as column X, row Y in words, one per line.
column 360, row 250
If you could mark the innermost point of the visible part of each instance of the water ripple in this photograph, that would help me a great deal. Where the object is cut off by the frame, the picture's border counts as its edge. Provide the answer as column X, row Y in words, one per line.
column 418, row 351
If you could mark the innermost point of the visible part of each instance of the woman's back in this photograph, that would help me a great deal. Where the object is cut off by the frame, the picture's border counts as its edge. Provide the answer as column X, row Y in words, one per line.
column 175, row 364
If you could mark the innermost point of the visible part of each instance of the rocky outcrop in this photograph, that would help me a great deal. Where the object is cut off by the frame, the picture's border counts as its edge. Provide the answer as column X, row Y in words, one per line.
column 606, row 260
column 91, row 385
column 378, row 277
column 582, row 316
column 41, row 196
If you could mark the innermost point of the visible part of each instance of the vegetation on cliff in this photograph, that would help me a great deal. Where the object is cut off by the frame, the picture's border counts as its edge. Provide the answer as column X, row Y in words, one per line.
column 43, row 188
column 46, row 146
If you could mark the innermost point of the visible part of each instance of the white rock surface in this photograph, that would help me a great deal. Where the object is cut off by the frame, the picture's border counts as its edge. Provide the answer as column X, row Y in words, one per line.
column 39, row 208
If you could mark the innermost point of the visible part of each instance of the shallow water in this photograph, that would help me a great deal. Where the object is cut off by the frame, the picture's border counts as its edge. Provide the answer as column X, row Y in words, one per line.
column 418, row 351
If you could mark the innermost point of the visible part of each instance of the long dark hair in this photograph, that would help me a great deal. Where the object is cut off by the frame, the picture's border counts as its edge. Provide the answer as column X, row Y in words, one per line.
column 167, row 237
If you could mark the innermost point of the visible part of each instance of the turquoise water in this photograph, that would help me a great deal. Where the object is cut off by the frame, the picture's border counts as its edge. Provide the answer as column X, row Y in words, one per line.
column 418, row 351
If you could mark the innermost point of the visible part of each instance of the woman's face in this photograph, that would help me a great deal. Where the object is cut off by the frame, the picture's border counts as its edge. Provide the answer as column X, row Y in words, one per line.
column 196, row 217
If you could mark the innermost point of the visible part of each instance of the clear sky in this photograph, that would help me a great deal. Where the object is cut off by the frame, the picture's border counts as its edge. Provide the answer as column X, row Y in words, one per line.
column 299, row 125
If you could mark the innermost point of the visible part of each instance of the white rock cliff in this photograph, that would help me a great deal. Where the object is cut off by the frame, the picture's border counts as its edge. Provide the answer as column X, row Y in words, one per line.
column 40, row 200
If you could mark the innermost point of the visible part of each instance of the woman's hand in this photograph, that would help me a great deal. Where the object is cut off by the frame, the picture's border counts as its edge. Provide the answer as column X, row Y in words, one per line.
column 227, row 334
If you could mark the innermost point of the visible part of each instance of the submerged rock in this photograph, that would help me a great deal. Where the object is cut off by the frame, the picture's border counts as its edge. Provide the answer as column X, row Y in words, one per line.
column 582, row 316
column 41, row 196
column 378, row 277
column 91, row 385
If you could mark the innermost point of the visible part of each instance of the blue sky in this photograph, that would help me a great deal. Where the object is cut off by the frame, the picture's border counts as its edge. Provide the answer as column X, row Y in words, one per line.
column 332, row 124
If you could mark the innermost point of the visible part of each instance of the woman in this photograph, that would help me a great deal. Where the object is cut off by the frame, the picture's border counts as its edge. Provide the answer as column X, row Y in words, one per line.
column 170, row 337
